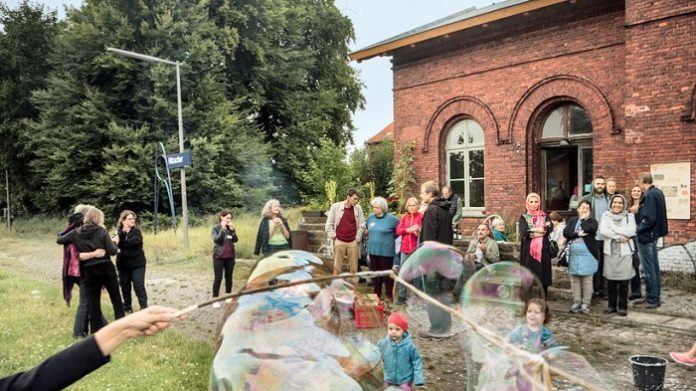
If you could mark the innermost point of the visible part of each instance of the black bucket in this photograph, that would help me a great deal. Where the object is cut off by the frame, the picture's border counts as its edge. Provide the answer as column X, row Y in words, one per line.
column 648, row 372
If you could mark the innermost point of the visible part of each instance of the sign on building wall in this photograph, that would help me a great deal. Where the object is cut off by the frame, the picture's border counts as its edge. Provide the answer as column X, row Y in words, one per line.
column 674, row 179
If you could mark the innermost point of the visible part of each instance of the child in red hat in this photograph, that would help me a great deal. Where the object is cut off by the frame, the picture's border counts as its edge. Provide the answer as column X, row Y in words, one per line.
column 402, row 362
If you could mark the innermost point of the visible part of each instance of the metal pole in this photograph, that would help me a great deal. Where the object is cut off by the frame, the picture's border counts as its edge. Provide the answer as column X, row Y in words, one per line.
column 184, row 204
column 7, row 189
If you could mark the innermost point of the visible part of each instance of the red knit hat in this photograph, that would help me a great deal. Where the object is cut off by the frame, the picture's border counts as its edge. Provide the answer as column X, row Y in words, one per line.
column 398, row 319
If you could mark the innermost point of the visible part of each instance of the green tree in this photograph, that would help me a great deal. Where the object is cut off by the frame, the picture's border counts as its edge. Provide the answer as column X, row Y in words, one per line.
column 290, row 70
column 27, row 33
column 374, row 163
column 102, row 114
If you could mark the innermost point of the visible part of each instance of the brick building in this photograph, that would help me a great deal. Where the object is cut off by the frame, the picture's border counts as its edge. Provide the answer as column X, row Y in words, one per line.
column 542, row 95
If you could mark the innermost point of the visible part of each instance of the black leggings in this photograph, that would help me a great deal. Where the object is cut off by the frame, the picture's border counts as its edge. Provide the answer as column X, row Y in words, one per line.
column 218, row 266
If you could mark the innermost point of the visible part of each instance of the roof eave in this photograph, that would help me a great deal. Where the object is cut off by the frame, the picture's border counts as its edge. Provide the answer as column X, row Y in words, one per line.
column 478, row 20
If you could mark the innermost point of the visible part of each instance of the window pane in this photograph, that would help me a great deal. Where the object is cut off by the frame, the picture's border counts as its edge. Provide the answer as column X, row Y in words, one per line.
column 457, row 188
column 457, row 135
column 476, row 193
column 579, row 121
column 553, row 126
column 475, row 132
column 476, row 163
column 456, row 165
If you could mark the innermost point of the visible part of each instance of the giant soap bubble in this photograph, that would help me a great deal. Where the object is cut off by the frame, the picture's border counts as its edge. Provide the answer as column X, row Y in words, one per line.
column 295, row 338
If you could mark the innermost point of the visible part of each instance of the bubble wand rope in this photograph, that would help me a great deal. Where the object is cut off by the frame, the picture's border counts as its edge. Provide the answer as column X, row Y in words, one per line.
column 497, row 340
column 382, row 273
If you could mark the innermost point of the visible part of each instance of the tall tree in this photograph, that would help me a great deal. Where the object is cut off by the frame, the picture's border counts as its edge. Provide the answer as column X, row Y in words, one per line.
column 290, row 70
column 27, row 34
column 102, row 114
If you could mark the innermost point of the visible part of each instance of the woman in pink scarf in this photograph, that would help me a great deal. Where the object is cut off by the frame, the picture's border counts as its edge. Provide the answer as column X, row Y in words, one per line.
column 535, row 227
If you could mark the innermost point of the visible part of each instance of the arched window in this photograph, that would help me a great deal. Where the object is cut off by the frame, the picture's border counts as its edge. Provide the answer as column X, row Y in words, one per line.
column 565, row 121
column 464, row 151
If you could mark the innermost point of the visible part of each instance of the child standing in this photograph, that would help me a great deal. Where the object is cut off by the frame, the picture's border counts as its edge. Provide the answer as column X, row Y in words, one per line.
column 402, row 362
column 533, row 336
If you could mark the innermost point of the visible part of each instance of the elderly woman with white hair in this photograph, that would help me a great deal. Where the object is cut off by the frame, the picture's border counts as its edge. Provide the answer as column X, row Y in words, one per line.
column 498, row 230
column 381, row 233
column 274, row 231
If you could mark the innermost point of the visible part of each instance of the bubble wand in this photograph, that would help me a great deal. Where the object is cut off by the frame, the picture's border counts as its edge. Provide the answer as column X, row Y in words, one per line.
column 382, row 273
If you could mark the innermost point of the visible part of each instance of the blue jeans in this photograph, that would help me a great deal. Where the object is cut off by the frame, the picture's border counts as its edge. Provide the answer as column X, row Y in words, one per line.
column 651, row 271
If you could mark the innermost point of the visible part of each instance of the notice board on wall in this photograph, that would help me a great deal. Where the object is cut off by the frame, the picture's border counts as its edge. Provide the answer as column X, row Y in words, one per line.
column 674, row 179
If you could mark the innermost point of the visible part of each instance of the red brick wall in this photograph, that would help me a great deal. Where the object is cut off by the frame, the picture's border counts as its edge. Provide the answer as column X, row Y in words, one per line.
column 661, row 73
column 598, row 62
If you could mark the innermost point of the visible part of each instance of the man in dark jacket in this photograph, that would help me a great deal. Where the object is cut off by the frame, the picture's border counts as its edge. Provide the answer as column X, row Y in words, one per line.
column 437, row 226
column 599, row 202
column 651, row 224
column 437, row 221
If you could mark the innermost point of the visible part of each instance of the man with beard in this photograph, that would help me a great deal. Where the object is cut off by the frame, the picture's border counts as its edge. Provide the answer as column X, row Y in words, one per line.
column 600, row 203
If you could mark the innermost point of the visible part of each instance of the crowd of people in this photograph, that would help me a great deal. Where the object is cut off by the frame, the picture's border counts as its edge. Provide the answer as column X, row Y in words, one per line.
column 610, row 241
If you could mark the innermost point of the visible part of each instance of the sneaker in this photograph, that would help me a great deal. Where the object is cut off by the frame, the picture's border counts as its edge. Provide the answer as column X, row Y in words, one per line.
column 584, row 309
column 683, row 358
column 634, row 297
column 216, row 304
column 652, row 306
column 610, row 311
column 575, row 308
column 622, row 312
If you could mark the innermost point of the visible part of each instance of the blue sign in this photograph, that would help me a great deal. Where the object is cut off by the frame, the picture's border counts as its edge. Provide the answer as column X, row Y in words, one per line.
column 179, row 160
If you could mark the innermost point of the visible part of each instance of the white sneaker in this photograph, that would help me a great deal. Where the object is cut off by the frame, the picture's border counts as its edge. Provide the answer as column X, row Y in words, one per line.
column 575, row 308
column 585, row 309
column 216, row 304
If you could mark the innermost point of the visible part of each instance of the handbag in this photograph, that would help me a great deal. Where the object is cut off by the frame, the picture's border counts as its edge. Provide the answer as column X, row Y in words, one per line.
column 563, row 256
column 553, row 248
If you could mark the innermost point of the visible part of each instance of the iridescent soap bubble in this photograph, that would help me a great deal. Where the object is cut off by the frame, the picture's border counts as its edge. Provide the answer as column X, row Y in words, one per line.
column 295, row 338
column 435, row 269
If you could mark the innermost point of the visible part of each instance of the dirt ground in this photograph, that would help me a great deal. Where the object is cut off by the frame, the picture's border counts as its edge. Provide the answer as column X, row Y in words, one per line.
column 605, row 345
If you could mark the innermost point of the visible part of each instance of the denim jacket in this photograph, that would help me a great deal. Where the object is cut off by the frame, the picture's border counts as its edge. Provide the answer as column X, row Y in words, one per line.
column 402, row 362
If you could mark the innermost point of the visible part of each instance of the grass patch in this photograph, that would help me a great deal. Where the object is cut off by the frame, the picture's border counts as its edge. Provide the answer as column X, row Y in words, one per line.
column 682, row 281
column 166, row 246
column 35, row 323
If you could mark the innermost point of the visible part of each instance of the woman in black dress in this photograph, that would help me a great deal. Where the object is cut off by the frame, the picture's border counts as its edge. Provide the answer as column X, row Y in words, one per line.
column 535, row 228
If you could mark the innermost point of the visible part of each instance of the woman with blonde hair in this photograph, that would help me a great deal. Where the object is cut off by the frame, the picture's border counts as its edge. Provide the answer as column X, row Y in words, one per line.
column 633, row 203
column 130, row 260
column 274, row 231
column 99, row 271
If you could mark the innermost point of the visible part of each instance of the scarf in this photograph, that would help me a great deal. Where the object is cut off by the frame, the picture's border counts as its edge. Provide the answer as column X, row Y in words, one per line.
column 535, row 218
column 617, row 217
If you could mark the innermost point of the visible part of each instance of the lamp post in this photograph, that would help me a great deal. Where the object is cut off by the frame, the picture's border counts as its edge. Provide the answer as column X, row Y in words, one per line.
column 144, row 57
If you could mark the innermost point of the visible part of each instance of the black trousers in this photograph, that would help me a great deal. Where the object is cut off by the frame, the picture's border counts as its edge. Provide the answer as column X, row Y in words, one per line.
column 378, row 263
column 95, row 277
column 218, row 266
column 133, row 279
column 598, row 280
column 618, row 294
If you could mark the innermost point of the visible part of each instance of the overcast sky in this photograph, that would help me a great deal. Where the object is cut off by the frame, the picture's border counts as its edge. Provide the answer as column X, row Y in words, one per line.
column 374, row 21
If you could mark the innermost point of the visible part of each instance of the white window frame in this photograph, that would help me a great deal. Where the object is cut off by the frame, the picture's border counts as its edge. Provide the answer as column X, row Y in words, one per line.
column 466, row 148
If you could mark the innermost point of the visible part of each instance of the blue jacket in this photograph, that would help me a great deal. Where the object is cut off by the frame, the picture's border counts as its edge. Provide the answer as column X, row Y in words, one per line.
column 402, row 362
column 651, row 218
column 381, row 233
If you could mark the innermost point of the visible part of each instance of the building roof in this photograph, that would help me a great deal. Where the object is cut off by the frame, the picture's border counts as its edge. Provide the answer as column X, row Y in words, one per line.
column 458, row 21
column 387, row 132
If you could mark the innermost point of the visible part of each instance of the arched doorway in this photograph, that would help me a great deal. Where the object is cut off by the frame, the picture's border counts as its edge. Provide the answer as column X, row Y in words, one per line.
column 565, row 143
